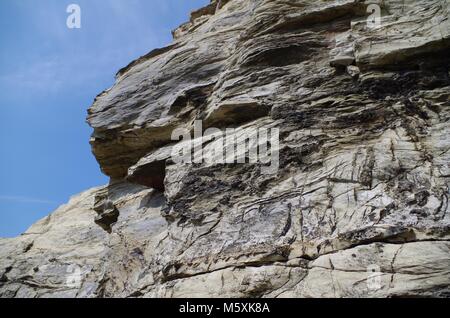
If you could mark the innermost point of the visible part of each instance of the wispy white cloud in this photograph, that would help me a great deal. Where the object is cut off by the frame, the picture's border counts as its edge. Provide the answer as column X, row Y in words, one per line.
column 23, row 199
column 68, row 59
column 53, row 73
column 39, row 76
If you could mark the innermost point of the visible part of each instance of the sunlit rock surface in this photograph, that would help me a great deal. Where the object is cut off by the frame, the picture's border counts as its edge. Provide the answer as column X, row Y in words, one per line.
column 357, row 208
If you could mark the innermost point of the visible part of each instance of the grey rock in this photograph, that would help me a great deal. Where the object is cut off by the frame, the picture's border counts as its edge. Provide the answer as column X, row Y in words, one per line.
column 359, row 204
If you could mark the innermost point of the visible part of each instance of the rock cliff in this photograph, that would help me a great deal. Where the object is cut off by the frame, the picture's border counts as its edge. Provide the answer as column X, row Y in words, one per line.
column 358, row 206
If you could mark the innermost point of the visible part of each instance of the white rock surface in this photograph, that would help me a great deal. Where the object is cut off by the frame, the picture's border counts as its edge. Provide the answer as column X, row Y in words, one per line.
column 358, row 206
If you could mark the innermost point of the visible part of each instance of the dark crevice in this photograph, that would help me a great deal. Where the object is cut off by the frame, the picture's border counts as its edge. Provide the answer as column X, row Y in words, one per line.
column 283, row 56
column 151, row 175
column 108, row 214
column 4, row 278
column 28, row 247
column 191, row 99
column 107, row 219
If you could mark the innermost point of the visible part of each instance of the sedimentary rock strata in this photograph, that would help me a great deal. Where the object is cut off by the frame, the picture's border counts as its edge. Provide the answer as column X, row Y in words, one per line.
column 362, row 184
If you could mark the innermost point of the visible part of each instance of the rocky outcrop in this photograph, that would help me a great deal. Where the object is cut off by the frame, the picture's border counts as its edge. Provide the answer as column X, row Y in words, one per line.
column 357, row 207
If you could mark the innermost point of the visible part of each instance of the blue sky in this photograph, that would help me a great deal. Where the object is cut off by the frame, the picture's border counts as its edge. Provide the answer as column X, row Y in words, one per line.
column 49, row 76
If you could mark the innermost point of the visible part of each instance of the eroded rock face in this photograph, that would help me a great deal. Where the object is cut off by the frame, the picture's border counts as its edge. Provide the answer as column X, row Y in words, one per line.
column 358, row 206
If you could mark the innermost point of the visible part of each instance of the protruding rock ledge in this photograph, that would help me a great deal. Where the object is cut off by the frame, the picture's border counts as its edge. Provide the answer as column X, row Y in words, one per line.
column 363, row 178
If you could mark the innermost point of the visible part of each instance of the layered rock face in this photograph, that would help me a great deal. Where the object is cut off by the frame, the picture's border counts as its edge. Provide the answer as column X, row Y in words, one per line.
column 358, row 206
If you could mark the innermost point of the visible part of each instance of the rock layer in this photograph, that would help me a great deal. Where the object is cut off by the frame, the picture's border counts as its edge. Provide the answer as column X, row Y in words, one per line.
column 362, row 184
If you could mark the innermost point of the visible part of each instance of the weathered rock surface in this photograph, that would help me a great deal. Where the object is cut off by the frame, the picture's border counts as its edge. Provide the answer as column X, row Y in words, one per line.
column 363, row 178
